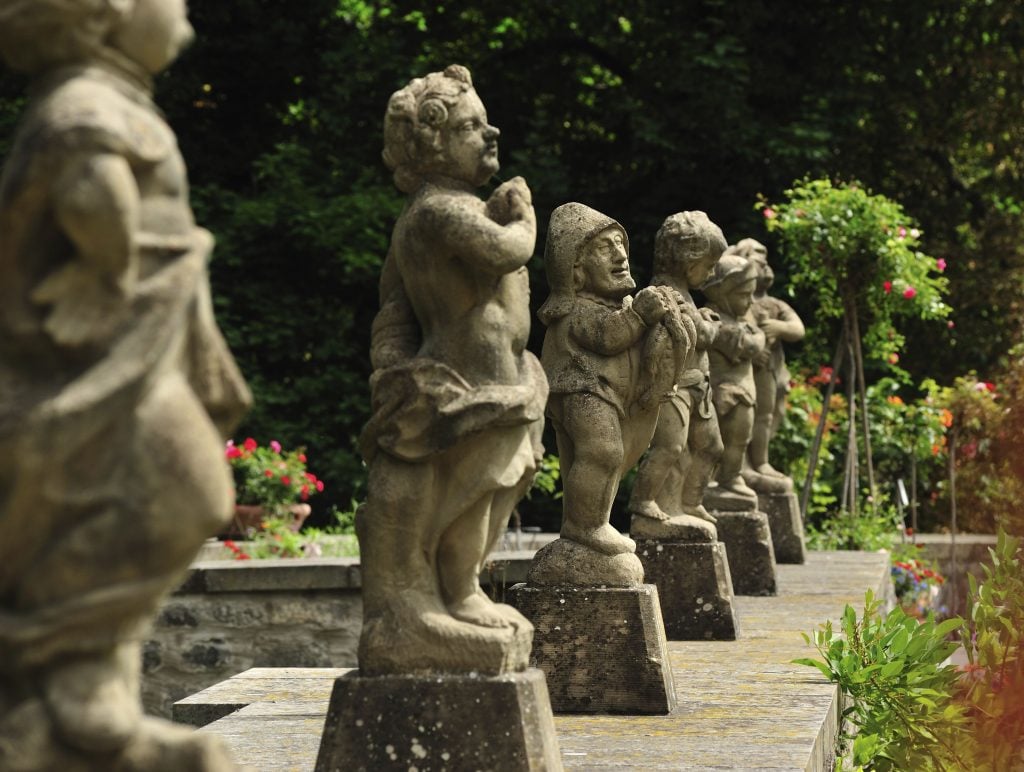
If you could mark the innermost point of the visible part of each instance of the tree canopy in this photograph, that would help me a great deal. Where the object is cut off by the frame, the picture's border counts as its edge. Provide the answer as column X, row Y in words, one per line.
column 639, row 109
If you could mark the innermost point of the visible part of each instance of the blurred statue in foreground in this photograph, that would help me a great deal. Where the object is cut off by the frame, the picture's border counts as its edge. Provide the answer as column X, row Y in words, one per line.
column 672, row 478
column 458, row 401
column 730, row 290
column 779, row 323
column 612, row 359
column 116, row 388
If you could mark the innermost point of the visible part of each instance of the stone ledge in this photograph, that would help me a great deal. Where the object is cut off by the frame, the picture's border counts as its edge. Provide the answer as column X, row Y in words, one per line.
column 741, row 705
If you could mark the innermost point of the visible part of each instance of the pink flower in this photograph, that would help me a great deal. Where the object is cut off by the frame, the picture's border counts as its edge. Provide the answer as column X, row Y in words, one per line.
column 909, row 292
column 275, row 446
column 902, row 232
column 232, row 452
column 769, row 213
column 886, row 287
column 311, row 477
column 302, row 458
column 286, row 480
column 894, row 358
column 940, row 264
column 250, row 444
column 951, row 324
column 320, row 485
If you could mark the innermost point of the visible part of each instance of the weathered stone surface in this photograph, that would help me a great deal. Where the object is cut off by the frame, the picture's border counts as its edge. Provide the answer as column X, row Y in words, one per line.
column 603, row 650
column 687, row 443
column 682, row 528
column 116, row 387
column 439, row 722
column 742, row 704
column 695, row 589
column 748, row 543
column 611, row 360
column 730, row 291
column 565, row 562
column 786, row 525
column 779, row 323
column 458, row 401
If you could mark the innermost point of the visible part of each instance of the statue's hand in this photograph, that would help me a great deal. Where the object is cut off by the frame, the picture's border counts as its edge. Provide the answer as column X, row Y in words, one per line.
column 511, row 201
column 762, row 358
column 773, row 328
column 651, row 304
column 86, row 305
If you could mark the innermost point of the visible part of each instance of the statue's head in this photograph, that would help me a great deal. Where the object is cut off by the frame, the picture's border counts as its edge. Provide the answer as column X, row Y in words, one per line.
column 731, row 284
column 586, row 251
column 757, row 253
column 38, row 35
column 687, row 247
column 438, row 125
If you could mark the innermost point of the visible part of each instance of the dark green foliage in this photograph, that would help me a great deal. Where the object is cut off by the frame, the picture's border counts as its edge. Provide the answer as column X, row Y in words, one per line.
column 640, row 109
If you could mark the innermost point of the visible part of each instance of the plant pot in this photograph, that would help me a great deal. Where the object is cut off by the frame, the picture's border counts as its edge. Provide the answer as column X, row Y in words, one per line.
column 250, row 516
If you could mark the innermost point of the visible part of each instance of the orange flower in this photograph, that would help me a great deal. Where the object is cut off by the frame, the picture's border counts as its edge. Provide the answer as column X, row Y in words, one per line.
column 894, row 400
column 946, row 417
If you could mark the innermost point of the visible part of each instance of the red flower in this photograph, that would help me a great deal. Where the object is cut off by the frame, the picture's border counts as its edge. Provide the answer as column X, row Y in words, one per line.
column 267, row 473
column 909, row 531
column 250, row 444
column 909, row 292
column 951, row 324
column 232, row 452
column 320, row 485
column 286, row 480
column 886, row 287
column 311, row 477
column 894, row 358
column 940, row 264
column 302, row 458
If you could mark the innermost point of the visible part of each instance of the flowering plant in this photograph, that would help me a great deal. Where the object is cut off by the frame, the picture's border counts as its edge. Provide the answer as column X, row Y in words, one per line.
column 270, row 476
column 847, row 246
column 916, row 583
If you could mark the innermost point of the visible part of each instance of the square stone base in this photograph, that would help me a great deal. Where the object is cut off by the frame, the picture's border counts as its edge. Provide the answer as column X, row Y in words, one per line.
column 748, row 541
column 695, row 589
column 787, row 528
column 603, row 649
column 439, row 722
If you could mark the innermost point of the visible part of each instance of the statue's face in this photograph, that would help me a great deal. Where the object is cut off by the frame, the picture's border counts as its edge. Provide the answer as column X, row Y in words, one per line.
column 603, row 268
column 697, row 271
column 153, row 33
column 740, row 297
column 470, row 143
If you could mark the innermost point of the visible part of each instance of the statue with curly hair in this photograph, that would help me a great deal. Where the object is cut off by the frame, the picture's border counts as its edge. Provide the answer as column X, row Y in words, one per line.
column 458, row 401
column 116, row 387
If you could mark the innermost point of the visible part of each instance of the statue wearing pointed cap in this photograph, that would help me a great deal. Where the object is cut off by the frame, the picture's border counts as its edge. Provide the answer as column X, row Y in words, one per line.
column 730, row 290
column 458, row 401
column 611, row 360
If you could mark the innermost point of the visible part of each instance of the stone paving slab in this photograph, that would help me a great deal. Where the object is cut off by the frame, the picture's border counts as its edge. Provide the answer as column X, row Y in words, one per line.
column 741, row 706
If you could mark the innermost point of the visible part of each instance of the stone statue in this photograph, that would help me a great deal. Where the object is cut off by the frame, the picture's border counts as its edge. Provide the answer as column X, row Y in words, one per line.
column 611, row 360
column 730, row 290
column 779, row 322
column 458, row 401
column 671, row 480
column 116, row 388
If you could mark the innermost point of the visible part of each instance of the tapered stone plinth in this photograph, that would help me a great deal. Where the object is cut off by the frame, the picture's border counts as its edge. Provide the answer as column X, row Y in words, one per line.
column 603, row 649
column 787, row 528
column 695, row 589
column 439, row 722
column 748, row 542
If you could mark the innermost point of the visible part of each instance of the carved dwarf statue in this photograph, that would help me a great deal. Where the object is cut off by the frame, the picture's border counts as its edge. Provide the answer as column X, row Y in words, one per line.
column 611, row 360
column 458, row 401
column 730, row 290
column 687, row 445
column 779, row 322
column 116, row 388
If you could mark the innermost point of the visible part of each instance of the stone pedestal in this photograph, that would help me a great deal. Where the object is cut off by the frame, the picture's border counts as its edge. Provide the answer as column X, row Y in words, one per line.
column 748, row 541
column 603, row 649
column 439, row 722
column 787, row 528
column 695, row 589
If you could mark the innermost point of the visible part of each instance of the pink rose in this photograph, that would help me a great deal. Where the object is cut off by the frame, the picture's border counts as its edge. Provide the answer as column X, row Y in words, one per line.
column 275, row 446
column 886, row 287
column 909, row 292
column 769, row 213
column 286, row 480
column 940, row 264
column 250, row 444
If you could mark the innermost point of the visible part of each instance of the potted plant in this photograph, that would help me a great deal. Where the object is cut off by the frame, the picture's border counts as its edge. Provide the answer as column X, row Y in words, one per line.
column 270, row 482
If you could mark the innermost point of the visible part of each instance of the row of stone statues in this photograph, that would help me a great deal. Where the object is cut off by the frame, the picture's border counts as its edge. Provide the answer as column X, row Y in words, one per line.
column 459, row 402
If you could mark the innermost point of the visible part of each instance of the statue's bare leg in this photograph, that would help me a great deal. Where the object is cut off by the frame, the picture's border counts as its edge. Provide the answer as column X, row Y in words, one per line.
column 667, row 448
column 705, row 447
column 736, row 426
column 590, row 483
column 764, row 417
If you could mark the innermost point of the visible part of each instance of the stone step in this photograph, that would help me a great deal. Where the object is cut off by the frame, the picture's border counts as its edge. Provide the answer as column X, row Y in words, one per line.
column 741, row 705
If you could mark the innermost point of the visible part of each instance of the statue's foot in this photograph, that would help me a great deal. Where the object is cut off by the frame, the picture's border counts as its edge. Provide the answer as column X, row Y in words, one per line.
column 648, row 509
column 738, row 487
column 604, row 539
column 769, row 471
column 478, row 609
column 92, row 703
column 699, row 512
